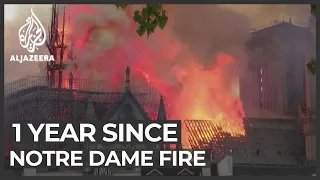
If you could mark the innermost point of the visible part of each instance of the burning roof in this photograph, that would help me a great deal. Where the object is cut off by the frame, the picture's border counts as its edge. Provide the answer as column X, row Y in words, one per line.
column 105, row 44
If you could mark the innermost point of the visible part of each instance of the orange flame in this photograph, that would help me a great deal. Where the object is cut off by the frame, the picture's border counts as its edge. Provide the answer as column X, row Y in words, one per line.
column 200, row 94
column 205, row 97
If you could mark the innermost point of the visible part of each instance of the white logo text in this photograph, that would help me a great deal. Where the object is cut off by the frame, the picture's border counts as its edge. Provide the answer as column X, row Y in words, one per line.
column 32, row 58
column 32, row 34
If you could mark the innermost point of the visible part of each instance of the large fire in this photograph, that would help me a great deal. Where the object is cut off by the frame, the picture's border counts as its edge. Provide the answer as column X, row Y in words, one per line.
column 104, row 46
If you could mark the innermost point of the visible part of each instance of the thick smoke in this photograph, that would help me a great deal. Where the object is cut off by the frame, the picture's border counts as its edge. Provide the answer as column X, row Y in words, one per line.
column 213, row 30
column 205, row 29
column 106, row 40
column 264, row 15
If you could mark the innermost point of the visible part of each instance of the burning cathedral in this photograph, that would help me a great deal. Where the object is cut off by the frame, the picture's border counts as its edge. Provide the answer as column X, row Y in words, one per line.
column 259, row 145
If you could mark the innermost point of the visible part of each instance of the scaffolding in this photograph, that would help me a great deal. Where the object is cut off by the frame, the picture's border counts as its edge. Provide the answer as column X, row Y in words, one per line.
column 37, row 81
column 58, row 47
column 33, row 98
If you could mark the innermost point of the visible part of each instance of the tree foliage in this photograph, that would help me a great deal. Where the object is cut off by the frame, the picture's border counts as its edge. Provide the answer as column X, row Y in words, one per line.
column 312, row 64
column 313, row 10
column 149, row 18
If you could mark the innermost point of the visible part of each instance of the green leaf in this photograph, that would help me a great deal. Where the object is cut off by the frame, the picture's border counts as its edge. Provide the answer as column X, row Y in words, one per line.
column 122, row 6
column 155, row 22
column 145, row 13
column 136, row 16
column 141, row 30
column 151, row 10
column 136, row 13
column 163, row 22
column 149, row 18
column 312, row 66
column 313, row 9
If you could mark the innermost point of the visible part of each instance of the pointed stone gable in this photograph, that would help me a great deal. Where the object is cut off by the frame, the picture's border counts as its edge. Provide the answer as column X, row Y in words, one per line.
column 127, row 108
column 127, row 99
column 185, row 172
column 162, row 116
column 154, row 172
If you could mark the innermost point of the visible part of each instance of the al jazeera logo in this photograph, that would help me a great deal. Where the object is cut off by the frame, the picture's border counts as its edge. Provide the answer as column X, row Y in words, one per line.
column 32, row 35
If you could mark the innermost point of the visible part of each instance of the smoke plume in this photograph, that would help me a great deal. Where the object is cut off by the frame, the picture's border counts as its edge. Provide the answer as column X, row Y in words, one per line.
column 206, row 29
